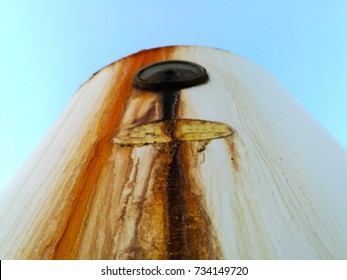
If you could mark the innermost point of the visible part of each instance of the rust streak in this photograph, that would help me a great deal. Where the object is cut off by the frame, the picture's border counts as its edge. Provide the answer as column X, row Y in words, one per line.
column 198, row 234
column 230, row 141
column 68, row 243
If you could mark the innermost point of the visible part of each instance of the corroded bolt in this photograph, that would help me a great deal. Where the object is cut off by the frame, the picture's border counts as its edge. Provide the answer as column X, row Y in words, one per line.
column 167, row 78
column 170, row 75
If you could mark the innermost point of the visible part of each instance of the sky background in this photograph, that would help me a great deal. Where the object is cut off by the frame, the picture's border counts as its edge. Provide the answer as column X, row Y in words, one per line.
column 49, row 48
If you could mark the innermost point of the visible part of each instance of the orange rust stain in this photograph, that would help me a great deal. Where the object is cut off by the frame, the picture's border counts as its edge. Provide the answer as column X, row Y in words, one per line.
column 158, row 211
column 153, row 229
column 233, row 152
column 68, row 242
column 200, row 236
column 149, row 241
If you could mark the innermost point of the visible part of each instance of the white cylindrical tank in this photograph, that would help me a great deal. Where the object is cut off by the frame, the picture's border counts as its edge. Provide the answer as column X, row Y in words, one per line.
column 254, row 176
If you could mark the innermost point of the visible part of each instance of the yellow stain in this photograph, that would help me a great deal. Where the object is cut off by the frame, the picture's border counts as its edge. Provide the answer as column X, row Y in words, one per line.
column 149, row 133
column 184, row 130
column 196, row 130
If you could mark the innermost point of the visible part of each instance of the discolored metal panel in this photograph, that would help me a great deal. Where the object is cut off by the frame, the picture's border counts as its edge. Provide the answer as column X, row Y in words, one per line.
column 234, row 169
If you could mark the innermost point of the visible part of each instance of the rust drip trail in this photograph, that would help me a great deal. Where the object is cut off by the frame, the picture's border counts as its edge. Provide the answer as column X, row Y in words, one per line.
column 170, row 100
column 167, row 79
column 234, row 157
column 67, row 240
column 188, row 223
column 176, row 208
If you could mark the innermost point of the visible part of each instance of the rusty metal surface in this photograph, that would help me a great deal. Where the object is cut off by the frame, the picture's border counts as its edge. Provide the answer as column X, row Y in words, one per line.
column 224, row 174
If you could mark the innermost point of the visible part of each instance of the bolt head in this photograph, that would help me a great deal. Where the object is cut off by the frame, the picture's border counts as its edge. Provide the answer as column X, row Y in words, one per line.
column 171, row 74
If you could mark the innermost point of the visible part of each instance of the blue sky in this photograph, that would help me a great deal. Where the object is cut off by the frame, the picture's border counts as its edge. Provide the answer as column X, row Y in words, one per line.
column 49, row 48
